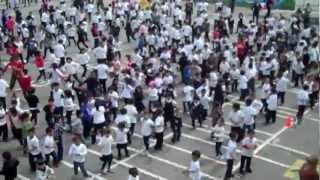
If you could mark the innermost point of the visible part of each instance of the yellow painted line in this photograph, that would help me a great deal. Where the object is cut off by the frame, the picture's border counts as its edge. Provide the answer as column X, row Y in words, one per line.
column 292, row 173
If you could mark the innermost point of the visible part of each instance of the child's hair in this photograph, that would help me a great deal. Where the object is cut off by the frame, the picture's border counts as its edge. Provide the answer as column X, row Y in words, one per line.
column 123, row 111
column 196, row 154
column 133, row 171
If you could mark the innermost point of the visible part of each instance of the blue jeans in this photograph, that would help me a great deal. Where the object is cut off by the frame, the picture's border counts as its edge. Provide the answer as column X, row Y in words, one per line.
column 80, row 165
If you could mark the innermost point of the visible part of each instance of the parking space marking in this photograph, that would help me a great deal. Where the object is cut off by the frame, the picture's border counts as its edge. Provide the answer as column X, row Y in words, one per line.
column 123, row 163
column 187, row 151
column 264, row 144
column 287, row 148
column 238, row 150
column 93, row 175
column 173, row 164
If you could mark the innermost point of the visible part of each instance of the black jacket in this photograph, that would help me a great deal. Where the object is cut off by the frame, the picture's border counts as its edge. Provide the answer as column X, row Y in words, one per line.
column 9, row 169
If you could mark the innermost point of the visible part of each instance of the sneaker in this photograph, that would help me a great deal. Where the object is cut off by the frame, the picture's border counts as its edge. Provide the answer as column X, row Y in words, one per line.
column 249, row 171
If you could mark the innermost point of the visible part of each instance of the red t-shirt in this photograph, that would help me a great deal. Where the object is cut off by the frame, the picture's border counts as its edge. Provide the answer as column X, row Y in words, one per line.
column 39, row 61
column 308, row 174
column 216, row 35
column 241, row 49
column 10, row 24
column 25, row 82
column 16, row 65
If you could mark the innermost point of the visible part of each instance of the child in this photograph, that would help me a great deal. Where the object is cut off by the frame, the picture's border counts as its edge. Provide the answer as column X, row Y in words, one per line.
column 122, row 139
column 69, row 106
column 177, row 124
column 219, row 131
column 105, row 142
column 146, row 129
column 43, row 171
column 76, row 125
column 33, row 102
column 39, row 62
column 58, row 133
column 3, row 124
column 194, row 168
column 133, row 174
column 248, row 145
column 26, row 127
column 48, row 109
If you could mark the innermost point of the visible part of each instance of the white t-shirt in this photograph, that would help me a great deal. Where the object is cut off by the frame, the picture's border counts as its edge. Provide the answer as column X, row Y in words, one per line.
column 58, row 98
column 243, row 82
column 102, row 71
column 231, row 150
column 249, row 143
column 272, row 102
column 100, row 52
column 48, row 144
column 3, row 87
column 302, row 97
column 188, row 93
column 59, row 50
column 78, row 152
column 236, row 118
column 105, row 143
column 121, row 136
column 194, row 170
column 248, row 115
column 159, row 124
column 33, row 145
column 146, row 127
column 132, row 113
column 98, row 115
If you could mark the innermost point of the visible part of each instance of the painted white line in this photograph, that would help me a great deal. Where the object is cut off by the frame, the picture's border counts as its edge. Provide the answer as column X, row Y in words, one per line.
column 173, row 164
column 283, row 113
column 256, row 130
column 93, row 175
column 269, row 140
column 272, row 161
column 21, row 177
column 238, row 151
column 187, row 151
column 287, row 148
column 123, row 163
column 264, row 144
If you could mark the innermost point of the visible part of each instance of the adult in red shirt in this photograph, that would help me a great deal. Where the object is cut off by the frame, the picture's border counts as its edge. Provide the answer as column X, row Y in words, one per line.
column 309, row 170
column 25, row 81
column 11, row 25
column 17, row 67
column 241, row 48
column 12, row 49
